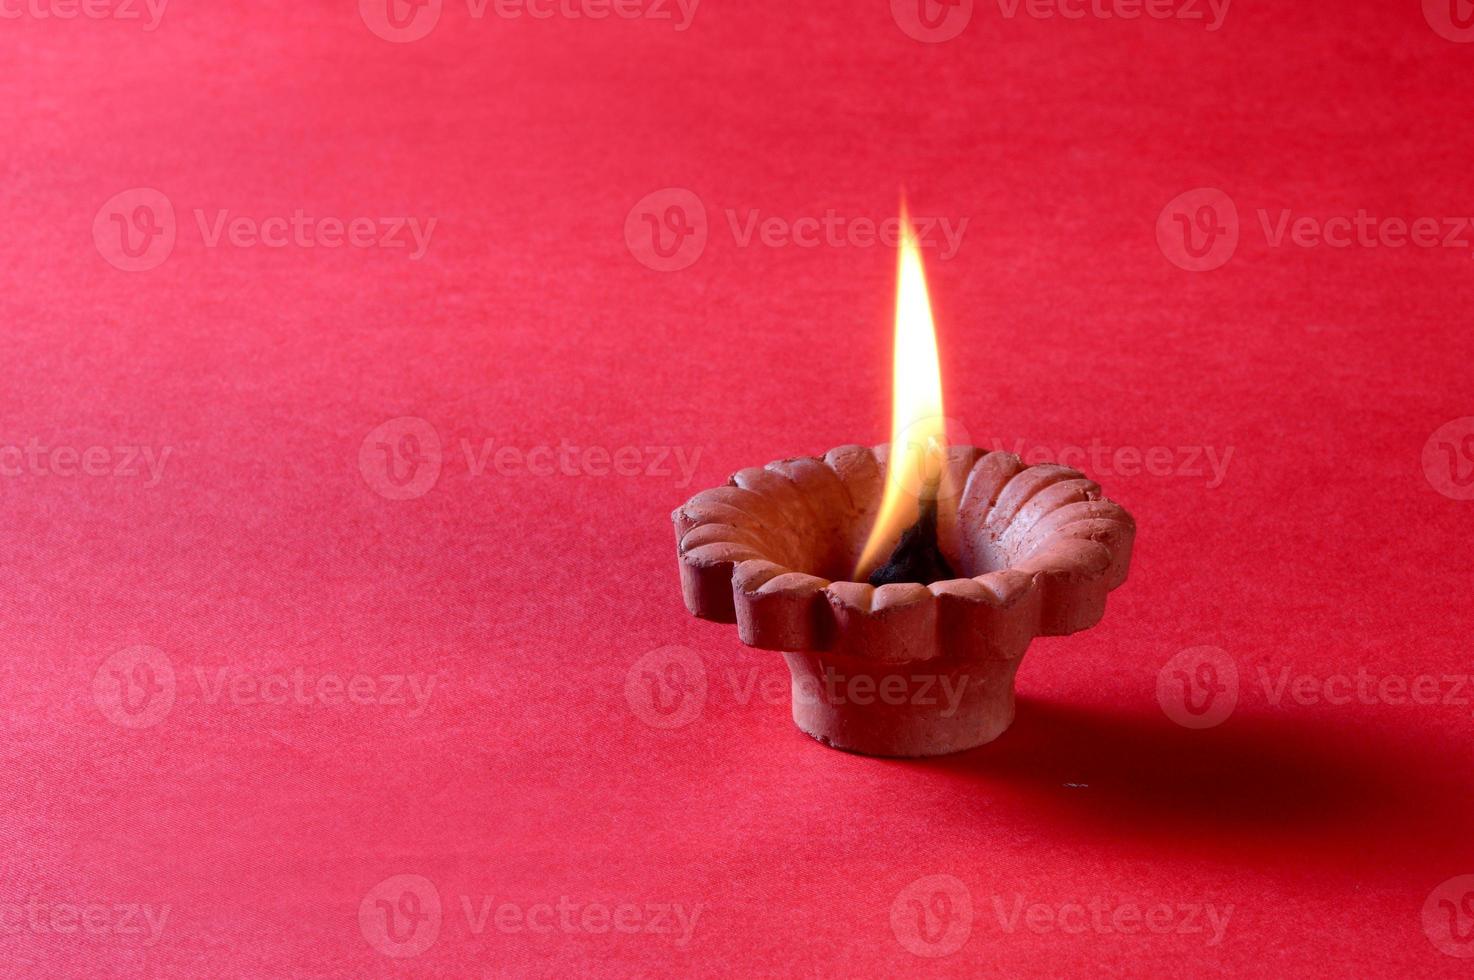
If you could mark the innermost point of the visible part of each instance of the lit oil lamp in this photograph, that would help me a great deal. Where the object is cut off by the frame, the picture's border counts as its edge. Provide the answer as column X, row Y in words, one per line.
column 903, row 583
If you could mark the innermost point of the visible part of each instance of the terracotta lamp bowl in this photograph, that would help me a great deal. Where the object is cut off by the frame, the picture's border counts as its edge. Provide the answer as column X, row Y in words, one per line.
column 907, row 669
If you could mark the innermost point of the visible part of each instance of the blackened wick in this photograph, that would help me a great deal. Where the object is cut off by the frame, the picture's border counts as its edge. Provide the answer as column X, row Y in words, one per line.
column 918, row 557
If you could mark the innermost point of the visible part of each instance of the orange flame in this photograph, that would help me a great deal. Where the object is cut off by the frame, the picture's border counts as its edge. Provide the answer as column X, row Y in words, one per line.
column 918, row 425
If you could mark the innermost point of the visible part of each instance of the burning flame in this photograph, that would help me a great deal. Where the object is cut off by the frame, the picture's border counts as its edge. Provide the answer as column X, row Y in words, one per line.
column 918, row 428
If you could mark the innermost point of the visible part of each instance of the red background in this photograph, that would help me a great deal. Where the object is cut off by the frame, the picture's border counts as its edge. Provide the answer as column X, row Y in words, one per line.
column 529, row 777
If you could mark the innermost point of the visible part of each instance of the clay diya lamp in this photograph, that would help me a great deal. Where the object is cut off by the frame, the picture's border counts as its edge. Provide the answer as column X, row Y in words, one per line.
column 903, row 583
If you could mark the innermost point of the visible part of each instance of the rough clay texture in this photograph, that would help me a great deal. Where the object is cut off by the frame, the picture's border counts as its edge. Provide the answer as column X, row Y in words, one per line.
column 1042, row 547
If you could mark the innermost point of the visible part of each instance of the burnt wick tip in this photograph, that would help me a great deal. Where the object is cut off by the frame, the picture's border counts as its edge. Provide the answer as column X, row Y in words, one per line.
column 917, row 557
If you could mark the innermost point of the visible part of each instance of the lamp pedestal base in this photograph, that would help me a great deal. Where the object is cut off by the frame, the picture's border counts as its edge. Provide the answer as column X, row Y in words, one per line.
column 926, row 708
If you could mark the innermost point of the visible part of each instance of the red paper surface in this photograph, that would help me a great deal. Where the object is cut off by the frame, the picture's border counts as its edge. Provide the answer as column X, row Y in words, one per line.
column 556, row 831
